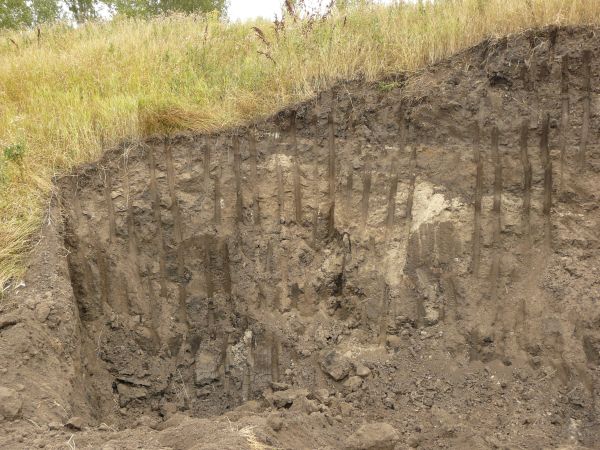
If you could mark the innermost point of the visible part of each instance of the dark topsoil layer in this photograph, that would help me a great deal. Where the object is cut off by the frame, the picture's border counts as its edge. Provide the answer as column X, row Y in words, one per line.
column 396, row 264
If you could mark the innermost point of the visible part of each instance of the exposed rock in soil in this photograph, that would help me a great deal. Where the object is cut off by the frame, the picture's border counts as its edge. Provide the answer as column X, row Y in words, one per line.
column 373, row 436
column 336, row 366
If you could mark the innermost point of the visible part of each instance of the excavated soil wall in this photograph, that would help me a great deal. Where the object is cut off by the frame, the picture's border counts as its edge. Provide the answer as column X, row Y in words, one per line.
column 424, row 228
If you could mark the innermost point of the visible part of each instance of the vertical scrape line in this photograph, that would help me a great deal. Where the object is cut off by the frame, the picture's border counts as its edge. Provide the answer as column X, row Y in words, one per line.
column 410, row 198
column 296, row 168
column 532, row 73
column 274, row 357
column 348, row 194
column 331, row 174
column 547, row 165
column 225, row 363
column 283, row 269
column 227, row 283
column 316, row 194
column 209, row 283
column 217, row 197
column 366, row 193
column 403, row 129
column 391, row 207
column 132, row 245
column 346, row 258
column 110, row 209
column 383, row 313
column 310, row 295
column 497, row 204
column 177, row 229
column 104, row 279
column 85, row 254
column 564, row 118
column 496, row 211
column 248, row 366
column 280, row 188
column 158, row 220
column 477, row 202
column 131, row 234
column 587, row 105
column 206, row 173
column 254, row 180
column 269, row 263
column 155, row 311
column 527, row 179
column 295, row 296
column 237, row 171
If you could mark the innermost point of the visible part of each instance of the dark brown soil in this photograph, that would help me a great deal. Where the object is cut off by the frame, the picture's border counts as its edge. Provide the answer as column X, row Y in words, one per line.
column 337, row 276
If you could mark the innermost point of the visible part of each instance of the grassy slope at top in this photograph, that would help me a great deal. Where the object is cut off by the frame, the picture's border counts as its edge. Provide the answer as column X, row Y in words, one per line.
column 69, row 92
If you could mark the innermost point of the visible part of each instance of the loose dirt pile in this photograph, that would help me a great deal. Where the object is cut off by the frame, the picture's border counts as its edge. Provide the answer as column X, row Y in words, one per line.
column 409, row 263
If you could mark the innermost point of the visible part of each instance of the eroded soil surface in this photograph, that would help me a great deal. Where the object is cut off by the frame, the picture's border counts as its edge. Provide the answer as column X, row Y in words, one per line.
column 407, row 263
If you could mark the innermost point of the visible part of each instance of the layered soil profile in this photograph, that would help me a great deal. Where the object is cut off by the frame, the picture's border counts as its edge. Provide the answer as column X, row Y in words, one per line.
column 418, row 255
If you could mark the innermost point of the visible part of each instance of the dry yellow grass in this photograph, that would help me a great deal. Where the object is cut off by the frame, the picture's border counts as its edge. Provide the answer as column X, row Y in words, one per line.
column 63, row 96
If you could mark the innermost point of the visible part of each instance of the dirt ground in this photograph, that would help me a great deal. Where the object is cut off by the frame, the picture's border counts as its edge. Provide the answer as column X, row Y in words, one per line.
column 411, row 263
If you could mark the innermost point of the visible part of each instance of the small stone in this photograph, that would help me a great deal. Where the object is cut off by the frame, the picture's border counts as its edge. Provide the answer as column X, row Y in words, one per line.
column 42, row 311
column 280, row 386
column 432, row 316
column 10, row 403
column 352, row 384
column 75, row 423
column 322, row 395
column 304, row 405
column 373, row 436
column 284, row 399
column 305, row 353
column 336, row 366
column 363, row 371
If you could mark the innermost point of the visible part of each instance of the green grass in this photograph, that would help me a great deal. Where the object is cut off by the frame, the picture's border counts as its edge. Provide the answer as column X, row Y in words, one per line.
column 65, row 96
